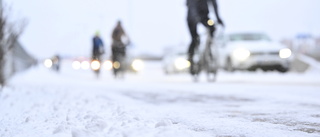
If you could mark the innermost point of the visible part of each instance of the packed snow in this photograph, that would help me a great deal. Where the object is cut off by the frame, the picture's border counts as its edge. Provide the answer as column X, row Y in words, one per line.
column 40, row 102
column 74, row 103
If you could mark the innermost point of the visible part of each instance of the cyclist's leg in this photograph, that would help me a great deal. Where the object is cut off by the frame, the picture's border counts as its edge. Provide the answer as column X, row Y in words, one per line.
column 122, row 58
column 193, row 45
column 114, row 59
column 192, row 24
column 94, row 54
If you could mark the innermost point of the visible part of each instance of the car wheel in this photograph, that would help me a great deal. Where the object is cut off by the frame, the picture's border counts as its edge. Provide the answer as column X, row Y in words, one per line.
column 252, row 69
column 283, row 69
column 229, row 66
column 166, row 71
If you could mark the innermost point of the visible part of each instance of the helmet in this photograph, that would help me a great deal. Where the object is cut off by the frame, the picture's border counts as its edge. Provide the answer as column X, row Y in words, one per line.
column 97, row 33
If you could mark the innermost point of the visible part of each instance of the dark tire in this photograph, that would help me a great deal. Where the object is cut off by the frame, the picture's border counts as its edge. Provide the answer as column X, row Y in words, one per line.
column 166, row 72
column 211, row 69
column 120, row 69
column 283, row 69
column 211, row 76
column 97, row 73
column 229, row 66
column 195, row 78
column 195, row 70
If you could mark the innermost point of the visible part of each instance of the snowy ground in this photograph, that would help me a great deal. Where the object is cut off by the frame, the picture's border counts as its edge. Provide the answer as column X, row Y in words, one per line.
column 42, row 103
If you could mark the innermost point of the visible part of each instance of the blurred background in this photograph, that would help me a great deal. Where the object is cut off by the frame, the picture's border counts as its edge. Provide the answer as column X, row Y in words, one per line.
column 66, row 28
column 267, row 82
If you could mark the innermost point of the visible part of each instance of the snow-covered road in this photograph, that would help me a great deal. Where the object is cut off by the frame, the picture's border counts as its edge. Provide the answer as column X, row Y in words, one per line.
column 40, row 103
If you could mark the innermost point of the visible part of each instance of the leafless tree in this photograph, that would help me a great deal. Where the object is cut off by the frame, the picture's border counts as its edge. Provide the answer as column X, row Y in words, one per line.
column 2, row 25
column 9, row 34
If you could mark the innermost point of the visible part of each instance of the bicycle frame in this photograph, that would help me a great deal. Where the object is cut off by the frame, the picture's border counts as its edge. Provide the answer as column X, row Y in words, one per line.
column 207, row 61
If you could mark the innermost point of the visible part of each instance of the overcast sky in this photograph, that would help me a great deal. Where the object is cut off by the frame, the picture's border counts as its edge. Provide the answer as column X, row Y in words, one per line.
column 67, row 26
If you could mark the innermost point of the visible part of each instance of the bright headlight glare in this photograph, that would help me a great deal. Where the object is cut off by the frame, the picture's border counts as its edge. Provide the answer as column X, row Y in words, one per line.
column 85, row 65
column 285, row 53
column 137, row 65
column 95, row 65
column 241, row 54
column 181, row 63
column 76, row 65
column 107, row 65
column 48, row 63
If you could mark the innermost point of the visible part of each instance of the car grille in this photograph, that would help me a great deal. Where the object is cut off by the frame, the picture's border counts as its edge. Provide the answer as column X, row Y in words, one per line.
column 264, row 53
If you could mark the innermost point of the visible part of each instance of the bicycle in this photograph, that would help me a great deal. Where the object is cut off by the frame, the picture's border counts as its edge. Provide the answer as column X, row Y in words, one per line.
column 119, row 59
column 206, row 60
column 96, row 65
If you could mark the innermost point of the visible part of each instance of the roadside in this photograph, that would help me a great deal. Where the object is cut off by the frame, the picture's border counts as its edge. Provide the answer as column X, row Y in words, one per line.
column 302, row 63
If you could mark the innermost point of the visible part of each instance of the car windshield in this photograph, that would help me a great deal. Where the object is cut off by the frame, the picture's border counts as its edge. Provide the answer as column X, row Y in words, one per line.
column 249, row 37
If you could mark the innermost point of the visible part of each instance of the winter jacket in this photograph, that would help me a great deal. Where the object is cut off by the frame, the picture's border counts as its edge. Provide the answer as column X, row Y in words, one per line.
column 97, row 42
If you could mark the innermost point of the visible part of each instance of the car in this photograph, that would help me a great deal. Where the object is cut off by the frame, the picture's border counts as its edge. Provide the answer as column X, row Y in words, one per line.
column 81, row 63
column 251, row 51
column 85, row 63
column 175, row 62
column 134, row 64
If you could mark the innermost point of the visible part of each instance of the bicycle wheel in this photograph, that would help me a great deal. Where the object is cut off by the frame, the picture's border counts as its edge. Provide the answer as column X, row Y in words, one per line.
column 211, row 69
column 211, row 66
column 97, row 73
column 119, row 66
column 196, row 67
column 211, row 73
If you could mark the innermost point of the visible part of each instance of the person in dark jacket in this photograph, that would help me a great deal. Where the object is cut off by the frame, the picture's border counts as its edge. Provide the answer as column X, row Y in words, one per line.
column 198, row 12
column 98, row 47
column 118, row 47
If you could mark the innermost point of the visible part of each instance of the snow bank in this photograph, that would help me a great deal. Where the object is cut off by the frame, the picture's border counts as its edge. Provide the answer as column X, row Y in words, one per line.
column 16, row 59
column 149, row 104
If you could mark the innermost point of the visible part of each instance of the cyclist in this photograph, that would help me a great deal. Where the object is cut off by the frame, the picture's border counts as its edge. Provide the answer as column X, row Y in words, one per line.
column 97, row 52
column 118, row 47
column 198, row 11
column 98, row 47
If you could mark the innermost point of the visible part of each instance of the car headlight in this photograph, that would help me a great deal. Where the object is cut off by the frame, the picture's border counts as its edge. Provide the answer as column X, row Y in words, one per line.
column 181, row 63
column 85, row 65
column 137, row 65
column 241, row 54
column 285, row 53
column 76, row 65
column 48, row 63
column 107, row 65
column 95, row 65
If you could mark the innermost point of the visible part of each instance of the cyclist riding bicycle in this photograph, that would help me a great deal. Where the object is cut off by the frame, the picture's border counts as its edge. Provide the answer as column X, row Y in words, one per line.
column 118, row 49
column 198, row 12
column 98, row 47
column 97, row 51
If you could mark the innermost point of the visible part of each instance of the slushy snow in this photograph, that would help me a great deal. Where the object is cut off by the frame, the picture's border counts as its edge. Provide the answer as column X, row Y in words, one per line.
column 40, row 102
